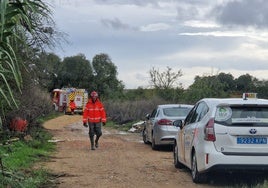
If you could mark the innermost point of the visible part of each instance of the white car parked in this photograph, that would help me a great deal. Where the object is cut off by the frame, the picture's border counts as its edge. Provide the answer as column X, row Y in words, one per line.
column 223, row 134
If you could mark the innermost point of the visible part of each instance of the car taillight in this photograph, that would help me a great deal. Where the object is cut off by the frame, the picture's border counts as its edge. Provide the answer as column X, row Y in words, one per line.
column 164, row 122
column 209, row 131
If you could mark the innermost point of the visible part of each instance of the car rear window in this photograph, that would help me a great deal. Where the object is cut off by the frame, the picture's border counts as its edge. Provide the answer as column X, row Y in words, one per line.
column 176, row 111
column 242, row 115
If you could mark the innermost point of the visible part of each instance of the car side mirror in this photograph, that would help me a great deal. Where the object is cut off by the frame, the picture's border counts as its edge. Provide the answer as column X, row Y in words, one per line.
column 178, row 123
column 147, row 116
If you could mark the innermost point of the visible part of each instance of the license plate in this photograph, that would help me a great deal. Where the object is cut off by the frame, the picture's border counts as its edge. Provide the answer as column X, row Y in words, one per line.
column 251, row 140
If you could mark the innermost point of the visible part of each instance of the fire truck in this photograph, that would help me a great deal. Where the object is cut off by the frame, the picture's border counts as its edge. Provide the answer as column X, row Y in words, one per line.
column 61, row 99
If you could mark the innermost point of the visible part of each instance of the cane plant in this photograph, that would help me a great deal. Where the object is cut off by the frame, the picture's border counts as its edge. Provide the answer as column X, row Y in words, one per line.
column 20, row 28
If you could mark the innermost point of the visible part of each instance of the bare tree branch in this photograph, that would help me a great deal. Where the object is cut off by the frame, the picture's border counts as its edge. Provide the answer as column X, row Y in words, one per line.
column 164, row 80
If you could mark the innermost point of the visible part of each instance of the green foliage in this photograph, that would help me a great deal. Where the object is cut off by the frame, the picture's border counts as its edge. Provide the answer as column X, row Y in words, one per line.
column 245, row 83
column 22, row 154
column 228, row 82
column 21, row 27
column 18, row 157
column 39, row 178
column 262, row 89
column 205, row 87
column 9, row 69
column 75, row 72
column 45, row 68
column 138, row 94
column 105, row 77
column 223, row 85
column 173, row 95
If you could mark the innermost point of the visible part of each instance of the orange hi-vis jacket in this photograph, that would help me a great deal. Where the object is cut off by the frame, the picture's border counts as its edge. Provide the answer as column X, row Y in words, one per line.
column 72, row 105
column 94, row 112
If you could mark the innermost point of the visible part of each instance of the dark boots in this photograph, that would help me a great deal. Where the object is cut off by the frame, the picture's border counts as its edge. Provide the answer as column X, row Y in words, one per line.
column 92, row 143
column 96, row 142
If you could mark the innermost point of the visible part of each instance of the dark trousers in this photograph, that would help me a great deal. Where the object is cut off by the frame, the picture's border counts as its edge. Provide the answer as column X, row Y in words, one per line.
column 94, row 129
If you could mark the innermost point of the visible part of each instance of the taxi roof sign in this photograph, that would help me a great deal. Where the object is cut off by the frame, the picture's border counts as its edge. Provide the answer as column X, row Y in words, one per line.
column 249, row 95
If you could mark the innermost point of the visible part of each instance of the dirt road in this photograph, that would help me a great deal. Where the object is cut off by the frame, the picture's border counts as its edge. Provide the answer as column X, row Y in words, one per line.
column 121, row 161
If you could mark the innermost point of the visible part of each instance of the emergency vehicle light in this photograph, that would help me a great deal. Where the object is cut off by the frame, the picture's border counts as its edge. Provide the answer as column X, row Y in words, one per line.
column 249, row 95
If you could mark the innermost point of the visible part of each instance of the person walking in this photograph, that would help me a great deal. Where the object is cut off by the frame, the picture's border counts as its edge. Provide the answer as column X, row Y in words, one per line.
column 94, row 116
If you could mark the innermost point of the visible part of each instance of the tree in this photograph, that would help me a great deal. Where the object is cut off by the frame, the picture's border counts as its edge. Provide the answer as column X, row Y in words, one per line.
column 246, row 83
column 44, row 69
column 262, row 89
column 205, row 87
column 228, row 82
column 74, row 71
column 166, row 83
column 105, row 76
column 164, row 80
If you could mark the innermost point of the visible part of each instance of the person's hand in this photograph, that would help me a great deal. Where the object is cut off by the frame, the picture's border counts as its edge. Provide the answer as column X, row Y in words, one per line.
column 85, row 125
column 103, row 123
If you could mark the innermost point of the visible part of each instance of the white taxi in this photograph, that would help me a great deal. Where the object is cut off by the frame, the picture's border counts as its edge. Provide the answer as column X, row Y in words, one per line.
column 223, row 134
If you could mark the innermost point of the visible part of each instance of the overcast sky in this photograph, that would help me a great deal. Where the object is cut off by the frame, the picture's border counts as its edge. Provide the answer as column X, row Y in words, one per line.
column 198, row 37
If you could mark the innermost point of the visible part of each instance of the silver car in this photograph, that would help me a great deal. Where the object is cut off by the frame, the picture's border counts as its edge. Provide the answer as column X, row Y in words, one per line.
column 223, row 134
column 159, row 128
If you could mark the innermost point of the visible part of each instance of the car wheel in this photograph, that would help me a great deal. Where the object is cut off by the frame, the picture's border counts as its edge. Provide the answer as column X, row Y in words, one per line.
column 177, row 163
column 196, row 176
column 154, row 146
column 144, row 137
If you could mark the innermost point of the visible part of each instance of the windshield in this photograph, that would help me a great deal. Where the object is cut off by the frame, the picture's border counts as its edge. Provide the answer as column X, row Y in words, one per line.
column 242, row 115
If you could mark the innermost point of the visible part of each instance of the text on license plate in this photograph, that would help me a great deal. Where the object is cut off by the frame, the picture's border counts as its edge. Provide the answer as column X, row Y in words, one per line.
column 251, row 140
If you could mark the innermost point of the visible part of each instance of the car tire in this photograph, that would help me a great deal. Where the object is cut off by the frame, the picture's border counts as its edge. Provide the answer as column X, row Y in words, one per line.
column 177, row 163
column 196, row 176
column 144, row 137
column 154, row 146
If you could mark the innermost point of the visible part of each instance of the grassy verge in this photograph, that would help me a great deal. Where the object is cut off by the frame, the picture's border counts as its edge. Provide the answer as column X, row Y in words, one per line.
column 18, row 157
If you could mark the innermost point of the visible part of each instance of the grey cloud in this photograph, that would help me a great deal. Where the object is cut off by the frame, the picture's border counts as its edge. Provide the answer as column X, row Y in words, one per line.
column 115, row 24
column 130, row 2
column 237, row 63
column 186, row 13
column 243, row 13
column 192, row 9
